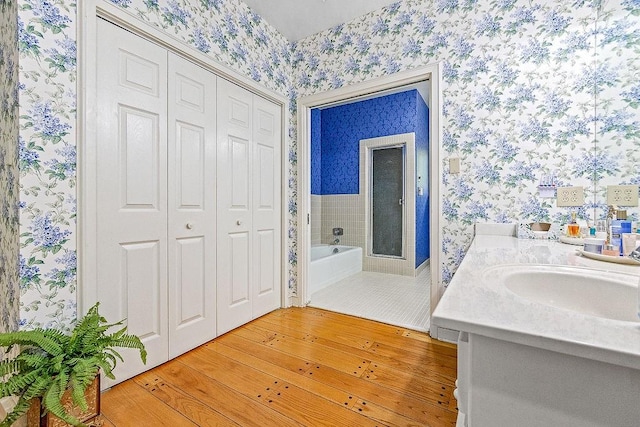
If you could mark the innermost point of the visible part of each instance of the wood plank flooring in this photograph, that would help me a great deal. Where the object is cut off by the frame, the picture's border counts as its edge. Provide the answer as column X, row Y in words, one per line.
column 296, row 367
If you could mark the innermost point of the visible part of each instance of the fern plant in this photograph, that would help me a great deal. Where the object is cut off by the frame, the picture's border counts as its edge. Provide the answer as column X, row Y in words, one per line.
column 50, row 362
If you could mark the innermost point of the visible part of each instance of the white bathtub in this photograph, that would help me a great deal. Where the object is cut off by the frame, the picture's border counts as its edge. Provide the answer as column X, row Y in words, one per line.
column 328, row 267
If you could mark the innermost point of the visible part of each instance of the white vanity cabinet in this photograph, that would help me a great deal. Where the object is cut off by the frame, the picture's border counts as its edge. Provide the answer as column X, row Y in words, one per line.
column 502, row 383
column 524, row 363
column 461, row 393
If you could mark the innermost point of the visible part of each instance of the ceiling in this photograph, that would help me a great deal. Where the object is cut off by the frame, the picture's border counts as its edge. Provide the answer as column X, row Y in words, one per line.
column 297, row 19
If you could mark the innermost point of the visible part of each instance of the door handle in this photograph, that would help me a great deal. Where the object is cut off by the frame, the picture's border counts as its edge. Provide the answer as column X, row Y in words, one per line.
column 401, row 202
column 189, row 226
column 238, row 222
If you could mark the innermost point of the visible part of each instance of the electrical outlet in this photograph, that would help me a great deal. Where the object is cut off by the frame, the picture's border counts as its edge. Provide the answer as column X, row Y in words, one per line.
column 622, row 195
column 570, row 196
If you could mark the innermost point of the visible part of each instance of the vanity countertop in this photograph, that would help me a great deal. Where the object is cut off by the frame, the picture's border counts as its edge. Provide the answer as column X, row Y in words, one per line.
column 475, row 304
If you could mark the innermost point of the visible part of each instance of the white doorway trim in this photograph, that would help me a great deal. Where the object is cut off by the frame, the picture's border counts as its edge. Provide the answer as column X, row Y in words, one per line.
column 89, row 11
column 430, row 73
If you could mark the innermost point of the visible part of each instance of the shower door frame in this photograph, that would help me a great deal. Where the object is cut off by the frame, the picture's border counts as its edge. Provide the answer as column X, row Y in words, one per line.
column 369, row 203
column 399, row 265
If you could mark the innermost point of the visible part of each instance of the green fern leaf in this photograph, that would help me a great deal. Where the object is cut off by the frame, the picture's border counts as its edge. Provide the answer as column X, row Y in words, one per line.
column 53, row 404
column 52, row 361
column 36, row 337
column 78, row 393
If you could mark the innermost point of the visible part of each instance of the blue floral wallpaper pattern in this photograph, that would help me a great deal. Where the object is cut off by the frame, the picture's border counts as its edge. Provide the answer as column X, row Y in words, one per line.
column 9, row 228
column 225, row 30
column 47, row 162
column 530, row 87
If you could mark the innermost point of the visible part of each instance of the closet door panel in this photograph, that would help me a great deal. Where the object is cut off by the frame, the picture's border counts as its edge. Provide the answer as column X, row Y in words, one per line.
column 235, row 240
column 192, row 205
column 239, row 251
column 267, row 199
column 190, row 163
column 266, row 265
column 140, row 267
column 131, row 240
column 138, row 151
column 191, row 271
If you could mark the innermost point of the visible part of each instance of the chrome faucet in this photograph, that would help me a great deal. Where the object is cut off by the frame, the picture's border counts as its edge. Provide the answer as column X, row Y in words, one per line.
column 337, row 232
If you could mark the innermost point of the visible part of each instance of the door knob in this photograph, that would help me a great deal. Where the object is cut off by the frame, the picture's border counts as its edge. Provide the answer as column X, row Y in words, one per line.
column 189, row 226
column 238, row 222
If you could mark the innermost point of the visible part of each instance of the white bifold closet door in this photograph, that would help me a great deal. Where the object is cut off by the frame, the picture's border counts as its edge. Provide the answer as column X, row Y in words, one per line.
column 156, row 195
column 249, row 242
column 192, row 205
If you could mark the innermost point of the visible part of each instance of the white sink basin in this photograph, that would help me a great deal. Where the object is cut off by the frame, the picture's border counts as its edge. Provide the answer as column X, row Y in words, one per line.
column 591, row 292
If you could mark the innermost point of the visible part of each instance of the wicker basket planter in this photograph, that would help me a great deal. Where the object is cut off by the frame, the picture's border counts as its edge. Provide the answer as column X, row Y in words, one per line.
column 90, row 417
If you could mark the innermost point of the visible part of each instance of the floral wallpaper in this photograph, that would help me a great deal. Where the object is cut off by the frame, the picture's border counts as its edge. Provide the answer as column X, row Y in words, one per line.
column 47, row 162
column 8, row 167
column 617, row 91
column 225, row 30
column 530, row 87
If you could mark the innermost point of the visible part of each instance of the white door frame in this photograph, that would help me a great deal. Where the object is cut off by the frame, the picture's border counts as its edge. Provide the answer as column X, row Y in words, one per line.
column 432, row 73
column 89, row 11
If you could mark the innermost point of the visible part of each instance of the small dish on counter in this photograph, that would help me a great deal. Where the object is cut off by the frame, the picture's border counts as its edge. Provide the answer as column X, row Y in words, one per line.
column 608, row 258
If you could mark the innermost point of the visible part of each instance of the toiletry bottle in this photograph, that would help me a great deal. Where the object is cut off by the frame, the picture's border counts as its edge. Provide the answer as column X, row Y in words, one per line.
column 616, row 235
column 573, row 229
column 625, row 228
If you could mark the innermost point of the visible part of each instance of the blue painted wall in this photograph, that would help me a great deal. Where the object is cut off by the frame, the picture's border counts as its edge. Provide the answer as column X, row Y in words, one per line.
column 422, row 180
column 343, row 127
column 335, row 148
column 316, row 151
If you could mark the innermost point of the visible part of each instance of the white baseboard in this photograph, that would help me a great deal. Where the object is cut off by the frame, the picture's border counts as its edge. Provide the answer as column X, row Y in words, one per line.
column 444, row 334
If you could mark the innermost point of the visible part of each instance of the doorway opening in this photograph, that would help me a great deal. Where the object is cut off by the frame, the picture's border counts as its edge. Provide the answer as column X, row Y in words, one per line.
column 428, row 180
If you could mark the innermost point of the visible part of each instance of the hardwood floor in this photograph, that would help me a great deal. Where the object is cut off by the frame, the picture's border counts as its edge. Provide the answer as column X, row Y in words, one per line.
column 293, row 367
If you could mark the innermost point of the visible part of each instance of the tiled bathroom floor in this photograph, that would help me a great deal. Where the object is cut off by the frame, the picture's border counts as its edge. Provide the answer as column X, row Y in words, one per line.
column 397, row 300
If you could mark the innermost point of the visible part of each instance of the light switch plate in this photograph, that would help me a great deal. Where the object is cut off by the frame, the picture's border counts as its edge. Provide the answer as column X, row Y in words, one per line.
column 570, row 196
column 454, row 165
column 622, row 195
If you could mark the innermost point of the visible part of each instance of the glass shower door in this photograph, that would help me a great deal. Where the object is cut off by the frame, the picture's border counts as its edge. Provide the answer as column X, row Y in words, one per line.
column 387, row 201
